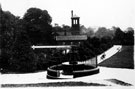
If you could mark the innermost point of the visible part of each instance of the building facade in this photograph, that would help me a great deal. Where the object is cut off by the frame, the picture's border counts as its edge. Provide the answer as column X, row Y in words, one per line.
column 72, row 36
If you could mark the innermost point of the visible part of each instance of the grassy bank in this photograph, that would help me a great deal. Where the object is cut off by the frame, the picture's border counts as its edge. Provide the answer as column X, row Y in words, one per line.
column 123, row 59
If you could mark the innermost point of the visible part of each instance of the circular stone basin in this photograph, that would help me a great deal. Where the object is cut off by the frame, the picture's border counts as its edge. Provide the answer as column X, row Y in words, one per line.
column 66, row 69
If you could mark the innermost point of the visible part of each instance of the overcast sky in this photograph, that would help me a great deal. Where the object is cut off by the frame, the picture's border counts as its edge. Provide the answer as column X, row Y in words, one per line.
column 92, row 13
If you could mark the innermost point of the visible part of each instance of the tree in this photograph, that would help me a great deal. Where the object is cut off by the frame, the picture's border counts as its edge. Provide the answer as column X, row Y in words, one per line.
column 119, row 36
column 7, row 36
column 106, row 42
column 16, row 53
column 23, row 58
column 129, row 36
column 66, row 28
column 38, row 25
column 83, row 29
column 90, row 32
column 102, row 32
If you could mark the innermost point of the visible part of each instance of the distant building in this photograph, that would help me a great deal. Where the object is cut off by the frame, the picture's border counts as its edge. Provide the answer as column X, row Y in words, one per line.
column 71, row 36
column 70, row 40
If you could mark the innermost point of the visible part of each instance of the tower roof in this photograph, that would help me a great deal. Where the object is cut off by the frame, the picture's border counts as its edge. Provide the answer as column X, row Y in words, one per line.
column 75, row 16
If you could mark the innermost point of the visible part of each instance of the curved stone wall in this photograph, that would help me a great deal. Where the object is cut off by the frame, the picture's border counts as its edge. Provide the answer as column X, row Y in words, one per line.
column 65, row 69
column 87, row 72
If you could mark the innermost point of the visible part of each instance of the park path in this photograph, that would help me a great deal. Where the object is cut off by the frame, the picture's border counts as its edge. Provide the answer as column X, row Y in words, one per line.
column 125, row 75
column 110, row 52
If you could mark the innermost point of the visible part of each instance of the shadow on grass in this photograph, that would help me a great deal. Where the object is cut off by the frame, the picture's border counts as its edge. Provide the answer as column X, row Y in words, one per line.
column 66, row 84
column 53, row 84
column 119, row 82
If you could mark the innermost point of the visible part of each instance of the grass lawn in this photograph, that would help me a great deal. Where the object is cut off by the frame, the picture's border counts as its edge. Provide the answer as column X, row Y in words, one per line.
column 123, row 59
column 119, row 82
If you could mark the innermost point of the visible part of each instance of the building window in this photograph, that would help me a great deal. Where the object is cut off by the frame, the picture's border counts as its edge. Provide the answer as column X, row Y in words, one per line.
column 74, row 21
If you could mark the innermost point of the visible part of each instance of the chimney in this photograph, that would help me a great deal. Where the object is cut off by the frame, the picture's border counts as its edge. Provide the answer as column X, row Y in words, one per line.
column 0, row 7
column 72, row 13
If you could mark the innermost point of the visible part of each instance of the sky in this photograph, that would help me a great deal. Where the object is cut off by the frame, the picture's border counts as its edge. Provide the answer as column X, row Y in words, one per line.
column 92, row 13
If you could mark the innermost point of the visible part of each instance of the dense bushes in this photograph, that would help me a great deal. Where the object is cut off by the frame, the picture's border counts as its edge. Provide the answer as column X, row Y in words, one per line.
column 18, row 35
column 94, row 46
column 23, row 58
column 124, row 38
column 7, row 36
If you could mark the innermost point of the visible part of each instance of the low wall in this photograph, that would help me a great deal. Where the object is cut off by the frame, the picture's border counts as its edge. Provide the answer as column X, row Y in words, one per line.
column 77, row 70
column 54, row 73
column 85, row 72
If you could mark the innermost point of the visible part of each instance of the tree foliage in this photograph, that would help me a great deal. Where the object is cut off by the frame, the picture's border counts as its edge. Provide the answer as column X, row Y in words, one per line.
column 18, row 35
column 128, row 36
column 23, row 58
column 88, row 31
column 7, row 35
column 119, row 36
column 38, row 26
column 102, row 32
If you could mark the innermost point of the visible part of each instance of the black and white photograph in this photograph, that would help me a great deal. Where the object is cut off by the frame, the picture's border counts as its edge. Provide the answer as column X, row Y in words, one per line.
column 67, row 44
